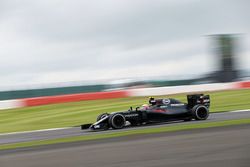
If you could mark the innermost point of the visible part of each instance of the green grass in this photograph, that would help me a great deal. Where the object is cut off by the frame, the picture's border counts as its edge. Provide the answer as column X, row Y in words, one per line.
column 126, row 133
column 76, row 113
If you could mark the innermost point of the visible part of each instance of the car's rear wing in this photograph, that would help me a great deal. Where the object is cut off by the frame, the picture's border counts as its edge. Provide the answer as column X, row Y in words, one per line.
column 195, row 99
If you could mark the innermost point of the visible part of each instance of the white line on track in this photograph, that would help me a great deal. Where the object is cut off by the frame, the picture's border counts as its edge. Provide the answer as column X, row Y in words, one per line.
column 46, row 130
column 247, row 110
column 41, row 130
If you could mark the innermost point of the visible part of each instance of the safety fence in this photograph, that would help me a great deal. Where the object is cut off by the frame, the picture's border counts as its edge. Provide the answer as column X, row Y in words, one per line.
column 37, row 101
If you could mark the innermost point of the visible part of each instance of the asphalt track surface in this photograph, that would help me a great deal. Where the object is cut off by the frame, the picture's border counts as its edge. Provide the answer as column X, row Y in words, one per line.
column 75, row 131
column 223, row 146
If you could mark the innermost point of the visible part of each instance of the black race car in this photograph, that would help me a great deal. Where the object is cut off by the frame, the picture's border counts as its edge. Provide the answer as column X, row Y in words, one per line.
column 158, row 110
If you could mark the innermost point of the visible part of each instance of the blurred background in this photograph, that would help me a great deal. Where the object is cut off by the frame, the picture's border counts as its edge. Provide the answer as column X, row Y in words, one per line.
column 65, row 47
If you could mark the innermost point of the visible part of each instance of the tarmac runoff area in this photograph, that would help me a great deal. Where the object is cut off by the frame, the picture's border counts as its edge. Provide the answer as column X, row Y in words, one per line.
column 9, row 138
column 222, row 146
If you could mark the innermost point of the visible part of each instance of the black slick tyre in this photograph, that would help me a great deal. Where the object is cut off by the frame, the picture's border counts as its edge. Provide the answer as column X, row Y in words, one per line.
column 117, row 121
column 101, row 116
column 200, row 112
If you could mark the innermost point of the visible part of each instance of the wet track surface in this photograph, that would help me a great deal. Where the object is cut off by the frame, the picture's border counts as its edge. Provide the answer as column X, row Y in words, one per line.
column 75, row 131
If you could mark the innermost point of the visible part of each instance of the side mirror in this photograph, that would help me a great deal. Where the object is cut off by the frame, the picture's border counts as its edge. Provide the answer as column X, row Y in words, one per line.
column 137, row 108
column 131, row 109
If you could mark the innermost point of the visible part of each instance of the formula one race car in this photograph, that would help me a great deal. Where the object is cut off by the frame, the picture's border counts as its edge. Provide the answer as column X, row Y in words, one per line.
column 158, row 110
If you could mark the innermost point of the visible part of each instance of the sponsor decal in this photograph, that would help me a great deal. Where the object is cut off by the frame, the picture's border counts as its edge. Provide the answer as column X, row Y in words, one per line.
column 131, row 115
column 166, row 101
column 181, row 104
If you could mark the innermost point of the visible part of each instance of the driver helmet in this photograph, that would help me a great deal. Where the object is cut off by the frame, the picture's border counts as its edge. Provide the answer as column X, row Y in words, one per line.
column 145, row 107
column 152, row 101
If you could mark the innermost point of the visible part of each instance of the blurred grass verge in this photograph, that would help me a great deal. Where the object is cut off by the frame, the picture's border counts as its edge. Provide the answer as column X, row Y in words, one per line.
column 76, row 113
column 151, row 130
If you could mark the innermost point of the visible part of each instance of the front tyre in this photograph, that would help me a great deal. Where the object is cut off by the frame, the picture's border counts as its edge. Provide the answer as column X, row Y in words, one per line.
column 101, row 116
column 117, row 121
column 200, row 112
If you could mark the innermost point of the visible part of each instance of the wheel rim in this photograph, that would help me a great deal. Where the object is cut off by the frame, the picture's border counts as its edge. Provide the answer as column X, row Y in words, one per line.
column 118, row 121
column 201, row 113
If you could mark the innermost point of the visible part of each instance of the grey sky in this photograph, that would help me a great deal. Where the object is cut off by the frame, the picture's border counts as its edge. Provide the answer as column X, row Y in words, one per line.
column 46, row 41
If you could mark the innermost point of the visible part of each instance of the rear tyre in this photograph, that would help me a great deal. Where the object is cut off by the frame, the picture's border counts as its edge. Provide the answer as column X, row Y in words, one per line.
column 117, row 121
column 200, row 112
